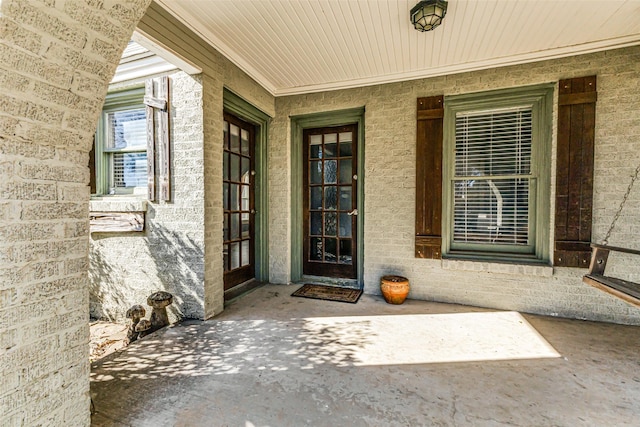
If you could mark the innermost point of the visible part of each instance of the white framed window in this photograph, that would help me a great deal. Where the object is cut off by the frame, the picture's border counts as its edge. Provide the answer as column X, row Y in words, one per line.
column 496, row 174
column 121, row 144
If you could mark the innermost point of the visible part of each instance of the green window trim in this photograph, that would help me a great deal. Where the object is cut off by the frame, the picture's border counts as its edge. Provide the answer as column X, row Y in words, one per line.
column 239, row 107
column 128, row 99
column 316, row 120
column 540, row 99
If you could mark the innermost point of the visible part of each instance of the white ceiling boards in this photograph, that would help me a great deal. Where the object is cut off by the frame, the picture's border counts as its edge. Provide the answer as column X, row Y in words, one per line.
column 300, row 46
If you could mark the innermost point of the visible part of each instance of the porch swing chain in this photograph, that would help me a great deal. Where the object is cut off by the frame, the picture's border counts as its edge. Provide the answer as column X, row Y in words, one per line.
column 622, row 203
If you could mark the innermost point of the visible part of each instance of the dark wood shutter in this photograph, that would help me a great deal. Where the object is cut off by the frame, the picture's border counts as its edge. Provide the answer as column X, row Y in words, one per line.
column 428, row 243
column 574, row 177
column 158, row 105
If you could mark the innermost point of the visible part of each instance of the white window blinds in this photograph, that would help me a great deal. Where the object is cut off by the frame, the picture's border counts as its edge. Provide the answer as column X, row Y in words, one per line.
column 126, row 147
column 492, row 179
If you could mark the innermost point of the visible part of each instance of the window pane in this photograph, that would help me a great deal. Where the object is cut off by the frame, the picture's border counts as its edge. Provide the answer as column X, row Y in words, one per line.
column 235, row 226
column 330, row 224
column 330, row 198
column 346, row 137
column 315, row 249
column 316, row 146
column 226, row 134
column 330, row 150
column 316, row 223
column 491, row 211
column 345, row 171
column 225, row 257
column 225, row 196
column 345, row 251
column 496, row 142
column 244, row 136
column 235, row 167
column 315, row 170
column 345, row 199
column 330, row 250
column 245, row 173
column 129, row 170
column 245, row 225
column 235, row 255
column 330, row 172
column 235, row 138
column 127, row 129
column 225, row 166
column 345, row 149
column 316, row 198
column 233, row 199
column 345, row 225
column 244, row 198
column 245, row 253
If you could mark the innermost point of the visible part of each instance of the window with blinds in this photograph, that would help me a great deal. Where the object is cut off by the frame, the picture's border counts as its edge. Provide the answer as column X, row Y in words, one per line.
column 492, row 180
column 126, row 150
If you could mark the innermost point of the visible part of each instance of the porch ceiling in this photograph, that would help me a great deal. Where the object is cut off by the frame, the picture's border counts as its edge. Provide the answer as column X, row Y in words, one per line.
column 293, row 47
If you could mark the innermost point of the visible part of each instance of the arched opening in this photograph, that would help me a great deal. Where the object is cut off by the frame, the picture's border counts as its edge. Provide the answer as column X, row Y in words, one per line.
column 57, row 61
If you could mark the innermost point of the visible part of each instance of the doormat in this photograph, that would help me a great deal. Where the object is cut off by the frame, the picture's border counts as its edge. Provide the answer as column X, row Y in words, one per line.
column 328, row 293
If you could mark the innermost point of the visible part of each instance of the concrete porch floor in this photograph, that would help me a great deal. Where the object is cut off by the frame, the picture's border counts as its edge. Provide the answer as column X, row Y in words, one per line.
column 274, row 360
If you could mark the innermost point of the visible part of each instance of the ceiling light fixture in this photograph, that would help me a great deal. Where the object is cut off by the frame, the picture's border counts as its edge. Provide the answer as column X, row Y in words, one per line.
column 428, row 14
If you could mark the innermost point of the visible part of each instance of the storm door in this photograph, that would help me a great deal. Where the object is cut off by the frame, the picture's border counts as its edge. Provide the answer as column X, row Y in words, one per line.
column 330, row 205
column 238, row 201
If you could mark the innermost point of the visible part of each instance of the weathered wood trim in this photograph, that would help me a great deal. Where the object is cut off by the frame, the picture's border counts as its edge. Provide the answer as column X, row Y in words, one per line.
column 164, row 147
column 116, row 222
column 160, row 104
column 609, row 285
column 151, row 143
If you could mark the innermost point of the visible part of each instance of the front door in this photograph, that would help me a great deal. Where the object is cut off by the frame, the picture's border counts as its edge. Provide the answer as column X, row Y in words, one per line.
column 239, row 201
column 330, row 205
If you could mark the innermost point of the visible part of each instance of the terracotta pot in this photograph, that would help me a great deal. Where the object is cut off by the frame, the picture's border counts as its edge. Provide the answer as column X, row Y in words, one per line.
column 394, row 289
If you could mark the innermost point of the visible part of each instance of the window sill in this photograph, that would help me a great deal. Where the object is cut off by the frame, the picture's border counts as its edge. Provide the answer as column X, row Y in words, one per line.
column 117, row 204
column 524, row 269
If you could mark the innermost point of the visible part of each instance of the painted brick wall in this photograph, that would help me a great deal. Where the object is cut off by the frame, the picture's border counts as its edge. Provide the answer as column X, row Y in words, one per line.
column 213, row 120
column 217, row 73
column 390, row 188
column 56, row 58
column 126, row 268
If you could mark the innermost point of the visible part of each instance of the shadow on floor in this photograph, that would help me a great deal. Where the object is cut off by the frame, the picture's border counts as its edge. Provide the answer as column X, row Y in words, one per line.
column 273, row 360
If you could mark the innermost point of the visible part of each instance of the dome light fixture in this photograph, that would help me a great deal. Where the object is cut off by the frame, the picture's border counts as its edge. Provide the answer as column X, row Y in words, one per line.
column 428, row 14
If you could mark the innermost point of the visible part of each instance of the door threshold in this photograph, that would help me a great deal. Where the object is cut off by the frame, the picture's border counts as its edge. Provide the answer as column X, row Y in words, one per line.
column 241, row 289
column 331, row 281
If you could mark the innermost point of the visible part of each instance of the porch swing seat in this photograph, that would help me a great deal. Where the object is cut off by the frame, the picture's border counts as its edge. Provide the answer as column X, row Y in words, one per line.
column 623, row 289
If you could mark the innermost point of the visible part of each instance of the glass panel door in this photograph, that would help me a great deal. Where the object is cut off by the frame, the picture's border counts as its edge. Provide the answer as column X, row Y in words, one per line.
column 238, row 201
column 330, row 202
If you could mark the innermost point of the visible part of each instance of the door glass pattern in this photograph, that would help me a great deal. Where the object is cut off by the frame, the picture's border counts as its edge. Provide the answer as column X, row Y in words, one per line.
column 330, row 198
column 238, row 203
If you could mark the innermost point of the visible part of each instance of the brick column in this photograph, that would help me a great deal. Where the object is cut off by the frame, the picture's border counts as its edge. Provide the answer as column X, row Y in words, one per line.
column 56, row 59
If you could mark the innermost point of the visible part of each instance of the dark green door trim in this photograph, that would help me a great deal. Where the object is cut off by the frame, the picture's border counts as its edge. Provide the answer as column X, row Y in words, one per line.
column 237, row 106
column 317, row 120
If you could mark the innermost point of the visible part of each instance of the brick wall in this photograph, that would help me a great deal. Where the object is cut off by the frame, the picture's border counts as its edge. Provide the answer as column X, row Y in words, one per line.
column 213, row 120
column 217, row 73
column 56, row 58
column 390, row 126
column 126, row 268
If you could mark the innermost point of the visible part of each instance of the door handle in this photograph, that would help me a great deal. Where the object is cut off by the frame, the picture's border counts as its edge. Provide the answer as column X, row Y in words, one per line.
column 353, row 212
